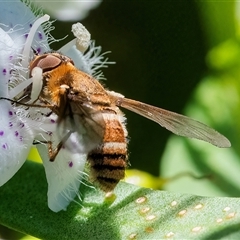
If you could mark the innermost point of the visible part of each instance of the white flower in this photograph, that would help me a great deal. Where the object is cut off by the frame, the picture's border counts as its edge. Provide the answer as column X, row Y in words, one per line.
column 20, row 33
column 16, row 135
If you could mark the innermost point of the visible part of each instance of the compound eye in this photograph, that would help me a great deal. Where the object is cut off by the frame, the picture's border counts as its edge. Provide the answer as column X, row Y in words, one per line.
column 46, row 62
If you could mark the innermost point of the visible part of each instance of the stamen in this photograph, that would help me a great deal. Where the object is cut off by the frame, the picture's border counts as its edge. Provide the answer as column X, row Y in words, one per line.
column 82, row 40
column 37, row 83
column 31, row 34
column 83, row 36
column 67, row 46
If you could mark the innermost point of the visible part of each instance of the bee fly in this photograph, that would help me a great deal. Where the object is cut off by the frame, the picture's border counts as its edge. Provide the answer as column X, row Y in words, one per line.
column 92, row 111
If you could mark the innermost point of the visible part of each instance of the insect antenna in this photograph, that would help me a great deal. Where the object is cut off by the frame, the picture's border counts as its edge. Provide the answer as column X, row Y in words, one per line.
column 27, row 104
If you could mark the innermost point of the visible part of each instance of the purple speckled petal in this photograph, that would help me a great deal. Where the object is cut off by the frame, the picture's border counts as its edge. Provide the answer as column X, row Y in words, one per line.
column 70, row 164
column 52, row 121
column 13, row 150
column 63, row 175
column 40, row 35
column 18, row 17
column 6, row 50
column 4, row 71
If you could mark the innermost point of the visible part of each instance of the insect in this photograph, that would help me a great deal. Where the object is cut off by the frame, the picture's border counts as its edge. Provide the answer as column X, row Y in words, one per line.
column 86, row 107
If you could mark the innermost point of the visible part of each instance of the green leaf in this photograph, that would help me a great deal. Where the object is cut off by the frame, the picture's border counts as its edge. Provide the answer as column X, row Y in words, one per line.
column 137, row 213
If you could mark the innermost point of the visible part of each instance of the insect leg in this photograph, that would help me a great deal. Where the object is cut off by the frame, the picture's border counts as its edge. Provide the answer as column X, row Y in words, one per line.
column 39, row 142
column 54, row 152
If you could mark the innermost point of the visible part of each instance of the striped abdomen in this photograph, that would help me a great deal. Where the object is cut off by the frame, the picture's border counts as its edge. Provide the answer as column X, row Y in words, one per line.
column 109, row 161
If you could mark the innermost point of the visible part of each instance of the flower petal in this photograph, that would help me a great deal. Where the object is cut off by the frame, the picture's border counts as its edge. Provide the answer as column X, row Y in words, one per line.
column 16, row 19
column 63, row 175
column 15, row 141
column 68, row 10
column 6, row 53
column 17, row 127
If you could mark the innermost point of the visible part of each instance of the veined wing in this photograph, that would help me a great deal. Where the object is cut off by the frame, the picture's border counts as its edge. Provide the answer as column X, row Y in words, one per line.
column 174, row 122
column 88, row 123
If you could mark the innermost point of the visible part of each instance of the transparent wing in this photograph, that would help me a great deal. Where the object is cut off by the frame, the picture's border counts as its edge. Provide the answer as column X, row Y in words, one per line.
column 88, row 122
column 176, row 123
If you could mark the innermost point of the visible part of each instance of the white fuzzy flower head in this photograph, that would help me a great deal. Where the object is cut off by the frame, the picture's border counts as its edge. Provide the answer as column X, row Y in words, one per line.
column 21, row 32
